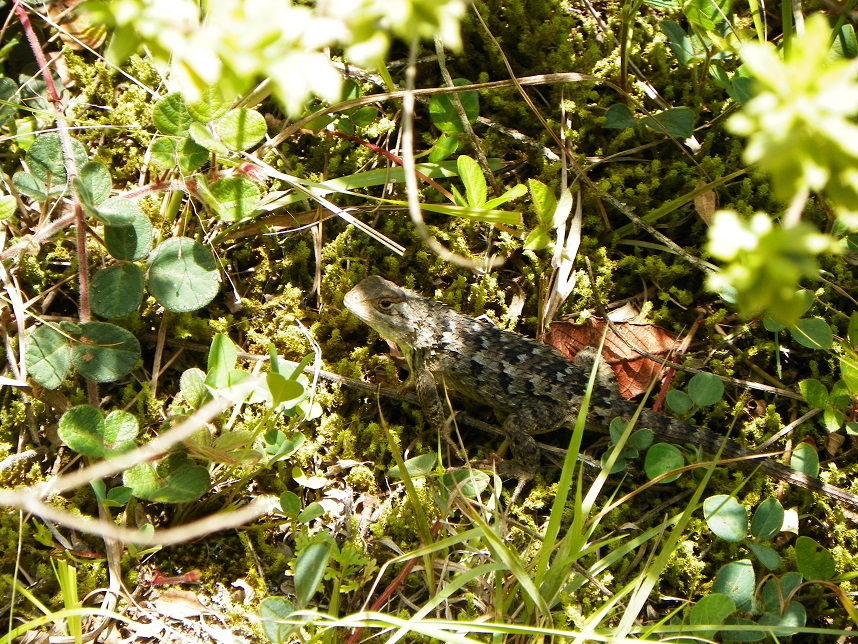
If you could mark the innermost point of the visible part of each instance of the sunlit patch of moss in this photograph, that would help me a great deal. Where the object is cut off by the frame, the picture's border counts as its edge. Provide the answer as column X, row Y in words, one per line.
column 188, row 326
column 362, row 479
column 32, row 272
column 129, row 114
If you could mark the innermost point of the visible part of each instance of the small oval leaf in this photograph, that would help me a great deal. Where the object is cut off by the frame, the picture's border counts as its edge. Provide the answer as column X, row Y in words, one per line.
column 241, row 129
column 182, row 275
column 48, row 356
column 105, row 352
column 726, row 517
column 117, row 291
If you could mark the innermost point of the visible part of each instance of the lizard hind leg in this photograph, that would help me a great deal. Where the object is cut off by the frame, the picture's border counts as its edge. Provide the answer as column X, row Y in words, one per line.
column 519, row 428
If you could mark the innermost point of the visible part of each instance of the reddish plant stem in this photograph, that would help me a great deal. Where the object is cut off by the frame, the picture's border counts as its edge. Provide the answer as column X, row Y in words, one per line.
column 71, row 174
column 71, row 168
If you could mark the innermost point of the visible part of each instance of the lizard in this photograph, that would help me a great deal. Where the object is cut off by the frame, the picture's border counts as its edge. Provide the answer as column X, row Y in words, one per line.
column 533, row 384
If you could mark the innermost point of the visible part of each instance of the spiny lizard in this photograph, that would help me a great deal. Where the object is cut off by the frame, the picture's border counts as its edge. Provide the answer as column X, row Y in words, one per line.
column 537, row 387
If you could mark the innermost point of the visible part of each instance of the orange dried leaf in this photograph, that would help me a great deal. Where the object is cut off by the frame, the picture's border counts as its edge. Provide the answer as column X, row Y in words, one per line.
column 633, row 371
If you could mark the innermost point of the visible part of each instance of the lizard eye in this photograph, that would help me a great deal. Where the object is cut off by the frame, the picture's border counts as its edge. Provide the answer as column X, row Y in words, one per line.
column 385, row 305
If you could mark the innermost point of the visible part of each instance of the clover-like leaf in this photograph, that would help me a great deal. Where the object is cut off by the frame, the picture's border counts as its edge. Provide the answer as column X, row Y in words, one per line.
column 182, row 275
column 48, row 356
column 47, row 161
column 235, row 198
column 104, row 352
column 812, row 560
column 726, row 517
column 117, row 291
column 443, row 112
column 241, row 129
column 662, row 458
column 170, row 115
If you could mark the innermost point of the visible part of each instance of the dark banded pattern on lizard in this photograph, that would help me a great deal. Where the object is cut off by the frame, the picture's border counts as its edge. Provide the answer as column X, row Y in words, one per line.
column 537, row 387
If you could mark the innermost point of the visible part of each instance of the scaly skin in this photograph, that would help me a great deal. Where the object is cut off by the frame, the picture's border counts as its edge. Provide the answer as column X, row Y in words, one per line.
column 537, row 387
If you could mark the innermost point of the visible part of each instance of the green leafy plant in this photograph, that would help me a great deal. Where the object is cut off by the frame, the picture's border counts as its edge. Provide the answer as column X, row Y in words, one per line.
column 773, row 605
column 444, row 116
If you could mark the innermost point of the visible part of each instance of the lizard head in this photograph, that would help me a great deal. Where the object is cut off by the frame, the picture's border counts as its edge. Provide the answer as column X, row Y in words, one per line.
column 395, row 313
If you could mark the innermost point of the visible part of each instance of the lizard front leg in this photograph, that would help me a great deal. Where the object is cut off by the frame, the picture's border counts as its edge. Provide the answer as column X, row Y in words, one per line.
column 427, row 393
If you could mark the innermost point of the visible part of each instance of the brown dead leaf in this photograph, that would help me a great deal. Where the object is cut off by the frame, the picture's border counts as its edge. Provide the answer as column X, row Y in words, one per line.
column 633, row 371
column 180, row 604
column 705, row 204
column 833, row 443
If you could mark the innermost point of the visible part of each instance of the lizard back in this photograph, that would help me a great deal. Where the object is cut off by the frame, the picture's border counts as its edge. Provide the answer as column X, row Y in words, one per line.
column 538, row 387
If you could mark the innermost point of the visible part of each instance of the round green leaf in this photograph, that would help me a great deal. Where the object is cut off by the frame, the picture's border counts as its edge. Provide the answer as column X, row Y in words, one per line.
column 728, row 635
column 209, row 107
column 766, row 555
column 190, row 155
column 775, row 589
column 202, row 137
column 467, row 482
column 241, row 129
column 443, row 148
column 45, row 158
column 105, row 352
column 120, row 430
column 235, row 198
column 679, row 401
column 768, row 519
column 619, row 117
column 82, row 429
column 30, row 186
column 48, row 356
column 283, row 391
column 163, row 153
column 832, row 420
column 182, row 275
column 118, row 211
column 705, row 389
column 290, row 504
column 170, row 115
column 273, row 611
column 193, row 388
column 678, row 121
column 311, row 482
column 788, row 621
column 662, row 458
column 312, row 511
column 309, row 569
column 96, row 182
column 813, row 333
column 641, row 439
column 417, row 466
column 805, row 459
column 737, row 581
column 443, row 112
column 726, row 517
column 183, row 484
column 131, row 242
column 8, row 98
column 364, row 116
column 116, row 291
column 814, row 393
column 812, row 560
column 711, row 609
column 187, row 483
